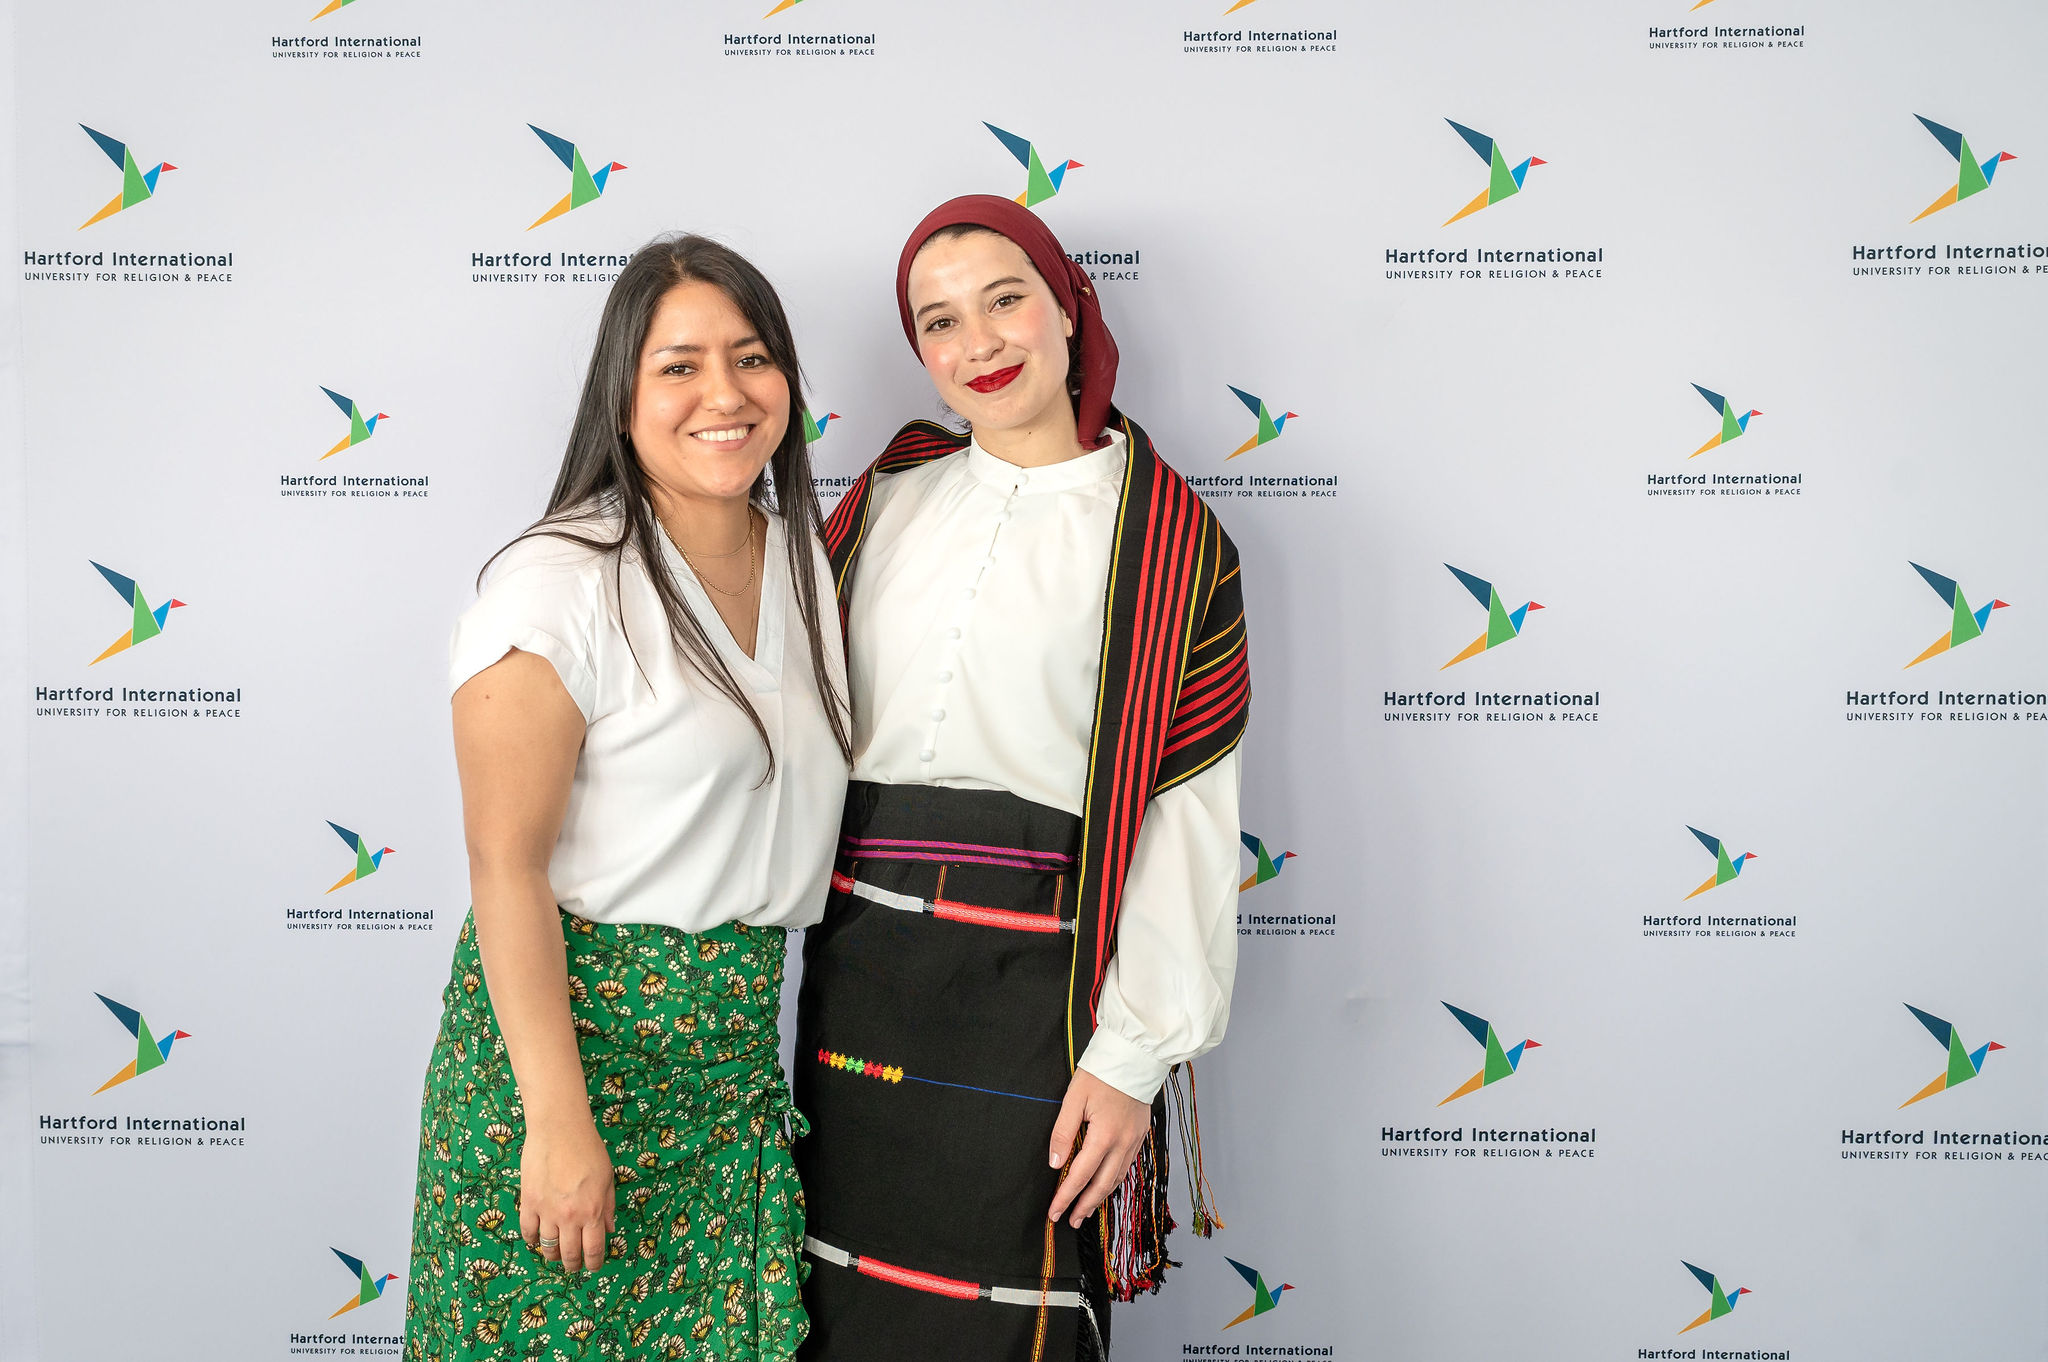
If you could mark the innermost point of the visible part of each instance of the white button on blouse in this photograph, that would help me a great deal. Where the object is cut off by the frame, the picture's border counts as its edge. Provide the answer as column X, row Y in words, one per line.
column 668, row 819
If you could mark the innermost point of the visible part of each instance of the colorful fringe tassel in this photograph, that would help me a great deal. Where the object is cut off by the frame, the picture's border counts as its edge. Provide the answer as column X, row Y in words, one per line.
column 1187, row 1119
column 1136, row 1218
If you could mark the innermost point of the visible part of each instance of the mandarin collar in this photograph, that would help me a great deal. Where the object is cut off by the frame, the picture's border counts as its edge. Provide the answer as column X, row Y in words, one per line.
column 1097, row 465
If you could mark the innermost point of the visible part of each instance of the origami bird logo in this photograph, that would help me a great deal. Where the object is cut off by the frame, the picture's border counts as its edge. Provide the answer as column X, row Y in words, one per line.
column 368, row 862
column 584, row 187
column 1501, row 624
column 148, row 623
column 1965, row 625
column 814, row 427
column 150, row 1053
column 1238, row 6
column 137, row 184
column 1270, row 425
column 1500, row 1062
column 1963, row 1064
column 1971, row 178
column 360, row 428
column 1724, row 868
column 1263, row 1298
column 333, row 5
column 372, row 1287
column 1270, row 865
column 786, row 4
column 1503, row 181
column 1040, row 184
column 1723, row 1302
column 1732, row 426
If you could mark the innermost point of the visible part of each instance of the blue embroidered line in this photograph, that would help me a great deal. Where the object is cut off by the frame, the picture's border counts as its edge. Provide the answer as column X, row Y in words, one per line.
column 993, row 1092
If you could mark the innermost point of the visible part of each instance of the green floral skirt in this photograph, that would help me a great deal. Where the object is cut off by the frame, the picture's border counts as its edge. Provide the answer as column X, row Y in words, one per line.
column 678, row 1036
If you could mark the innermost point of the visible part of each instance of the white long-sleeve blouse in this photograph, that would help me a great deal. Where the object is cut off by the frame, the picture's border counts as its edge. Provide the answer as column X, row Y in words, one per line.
column 976, row 646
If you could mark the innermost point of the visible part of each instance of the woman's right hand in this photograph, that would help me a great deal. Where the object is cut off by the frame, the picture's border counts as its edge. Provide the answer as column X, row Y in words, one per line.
column 566, row 1193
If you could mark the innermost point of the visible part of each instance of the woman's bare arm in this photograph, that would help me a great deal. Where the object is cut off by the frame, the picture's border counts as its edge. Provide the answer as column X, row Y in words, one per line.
column 517, row 736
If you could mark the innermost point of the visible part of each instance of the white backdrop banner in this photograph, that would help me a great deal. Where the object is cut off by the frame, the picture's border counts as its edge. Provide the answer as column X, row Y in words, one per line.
column 1628, row 414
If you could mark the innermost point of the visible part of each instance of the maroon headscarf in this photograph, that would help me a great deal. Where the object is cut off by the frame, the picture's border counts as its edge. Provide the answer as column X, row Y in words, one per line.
column 1069, row 282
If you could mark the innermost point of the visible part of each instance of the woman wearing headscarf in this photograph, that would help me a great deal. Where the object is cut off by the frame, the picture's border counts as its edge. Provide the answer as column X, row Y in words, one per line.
column 1033, row 911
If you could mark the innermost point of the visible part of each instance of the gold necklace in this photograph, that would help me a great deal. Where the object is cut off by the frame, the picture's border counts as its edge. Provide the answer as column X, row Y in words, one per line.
column 745, row 543
column 753, row 565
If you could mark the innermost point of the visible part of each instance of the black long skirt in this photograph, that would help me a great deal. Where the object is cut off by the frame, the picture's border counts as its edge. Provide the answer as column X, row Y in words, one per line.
column 931, row 1061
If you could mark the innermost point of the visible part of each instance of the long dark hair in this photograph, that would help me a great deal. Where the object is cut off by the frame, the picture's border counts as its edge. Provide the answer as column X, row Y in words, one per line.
column 600, row 469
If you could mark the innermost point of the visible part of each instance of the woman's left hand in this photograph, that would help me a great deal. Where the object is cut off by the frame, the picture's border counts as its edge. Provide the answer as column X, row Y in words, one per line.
column 1117, row 1124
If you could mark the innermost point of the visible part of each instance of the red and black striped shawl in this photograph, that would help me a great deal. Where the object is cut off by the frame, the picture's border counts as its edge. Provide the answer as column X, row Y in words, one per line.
column 1175, row 687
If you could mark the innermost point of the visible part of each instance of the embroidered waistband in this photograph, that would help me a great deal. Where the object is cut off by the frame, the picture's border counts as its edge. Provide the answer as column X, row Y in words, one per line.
column 951, row 909
column 937, row 1285
column 940, row 823
column 958, row 853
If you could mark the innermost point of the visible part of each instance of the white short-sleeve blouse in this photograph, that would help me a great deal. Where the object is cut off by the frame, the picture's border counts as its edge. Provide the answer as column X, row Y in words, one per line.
column 669, row 820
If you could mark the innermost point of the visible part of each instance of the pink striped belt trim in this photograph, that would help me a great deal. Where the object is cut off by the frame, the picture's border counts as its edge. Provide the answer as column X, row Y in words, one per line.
column 933, row 1283
column 957, row 853
column 950, row 909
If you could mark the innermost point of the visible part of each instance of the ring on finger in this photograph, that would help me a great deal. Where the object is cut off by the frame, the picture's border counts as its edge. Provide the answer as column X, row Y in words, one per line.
column 548, row 1243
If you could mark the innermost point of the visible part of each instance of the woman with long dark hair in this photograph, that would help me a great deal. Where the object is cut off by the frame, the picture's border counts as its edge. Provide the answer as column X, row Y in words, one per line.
column 653, row 739
column 1033, row 914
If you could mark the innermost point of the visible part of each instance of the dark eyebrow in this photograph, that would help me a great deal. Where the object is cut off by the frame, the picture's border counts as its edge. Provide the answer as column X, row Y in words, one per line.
column 1008, row 279
column 742, row 343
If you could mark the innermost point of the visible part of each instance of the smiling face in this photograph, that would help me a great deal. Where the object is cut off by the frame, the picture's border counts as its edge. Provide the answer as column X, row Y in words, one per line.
column 709, row 405
column 991, row 334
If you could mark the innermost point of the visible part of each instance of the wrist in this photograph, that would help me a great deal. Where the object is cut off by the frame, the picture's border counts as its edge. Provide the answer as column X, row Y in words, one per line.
column 1124, row 1065
column 559, row 1120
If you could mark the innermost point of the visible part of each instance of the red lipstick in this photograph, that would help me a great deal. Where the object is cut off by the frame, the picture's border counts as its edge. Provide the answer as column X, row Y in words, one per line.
column 989, row 383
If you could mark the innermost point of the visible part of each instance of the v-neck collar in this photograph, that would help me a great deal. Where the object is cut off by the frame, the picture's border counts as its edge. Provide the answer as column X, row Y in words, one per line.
column 763, row 671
